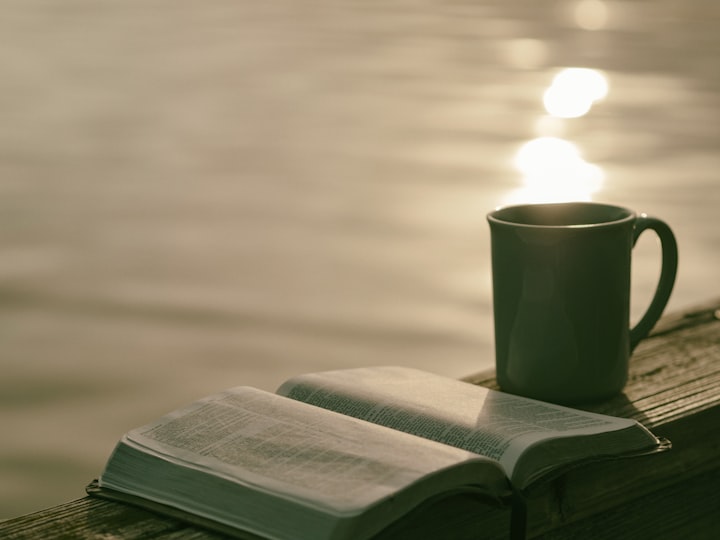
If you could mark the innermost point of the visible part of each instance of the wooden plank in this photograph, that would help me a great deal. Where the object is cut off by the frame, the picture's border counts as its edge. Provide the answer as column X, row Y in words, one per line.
column 674, row 388
column 94, row 518
column 688, row 511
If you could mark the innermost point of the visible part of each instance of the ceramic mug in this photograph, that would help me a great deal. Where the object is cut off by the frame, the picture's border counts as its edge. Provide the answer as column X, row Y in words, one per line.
column 561, row 297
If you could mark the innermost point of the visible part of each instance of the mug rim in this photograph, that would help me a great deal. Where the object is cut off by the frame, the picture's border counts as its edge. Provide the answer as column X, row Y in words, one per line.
column 496, row 216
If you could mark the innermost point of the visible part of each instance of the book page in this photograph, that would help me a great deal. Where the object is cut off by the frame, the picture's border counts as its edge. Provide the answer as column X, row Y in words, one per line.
column 281, row 445
column 497, row 425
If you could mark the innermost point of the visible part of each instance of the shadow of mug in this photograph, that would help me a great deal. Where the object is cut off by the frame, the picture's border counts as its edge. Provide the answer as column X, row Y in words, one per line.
column 561, row 297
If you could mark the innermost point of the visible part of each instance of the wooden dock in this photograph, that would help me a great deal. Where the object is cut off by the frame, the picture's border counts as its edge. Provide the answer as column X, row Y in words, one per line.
column 674, row 389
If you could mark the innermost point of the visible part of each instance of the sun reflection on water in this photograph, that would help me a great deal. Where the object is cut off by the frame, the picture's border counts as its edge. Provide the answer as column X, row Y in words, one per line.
column 574, row 91
column 553, row 169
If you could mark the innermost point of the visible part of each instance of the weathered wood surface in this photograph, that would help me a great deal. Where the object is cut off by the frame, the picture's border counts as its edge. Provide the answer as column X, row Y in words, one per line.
column 674, row 388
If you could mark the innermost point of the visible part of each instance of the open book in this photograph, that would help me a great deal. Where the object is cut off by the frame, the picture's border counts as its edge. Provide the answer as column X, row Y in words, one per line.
column 346, row 454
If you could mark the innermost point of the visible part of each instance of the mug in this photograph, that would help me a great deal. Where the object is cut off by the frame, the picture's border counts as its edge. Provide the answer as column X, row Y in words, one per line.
column 561, row 297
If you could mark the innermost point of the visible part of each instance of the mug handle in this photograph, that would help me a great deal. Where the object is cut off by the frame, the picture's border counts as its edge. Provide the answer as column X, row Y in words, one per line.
column 667, row 275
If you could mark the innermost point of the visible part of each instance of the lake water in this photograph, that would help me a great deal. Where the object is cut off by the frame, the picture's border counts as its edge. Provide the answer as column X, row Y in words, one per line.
column 196, row 195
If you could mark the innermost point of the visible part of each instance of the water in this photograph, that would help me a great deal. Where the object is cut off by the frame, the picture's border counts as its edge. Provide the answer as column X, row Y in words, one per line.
column 195, row 195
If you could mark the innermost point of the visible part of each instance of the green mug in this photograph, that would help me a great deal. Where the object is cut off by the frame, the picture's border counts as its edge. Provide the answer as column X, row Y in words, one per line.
column 561, row 297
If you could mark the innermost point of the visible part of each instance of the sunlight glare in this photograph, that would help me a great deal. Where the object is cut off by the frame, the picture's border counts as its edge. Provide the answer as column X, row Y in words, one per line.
column 574, row 91
column 554, row 171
